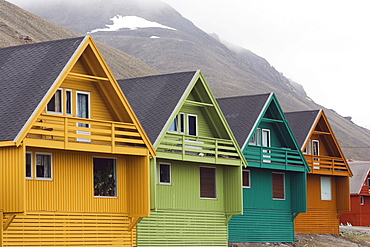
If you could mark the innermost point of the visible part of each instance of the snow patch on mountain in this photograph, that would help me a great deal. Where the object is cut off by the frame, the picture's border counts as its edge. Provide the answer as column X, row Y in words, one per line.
column 130, row 22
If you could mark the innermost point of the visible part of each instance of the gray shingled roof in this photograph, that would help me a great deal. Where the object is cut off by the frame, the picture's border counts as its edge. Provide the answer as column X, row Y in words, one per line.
column 26, row 74
column 242, row 113
column 154, row 98
column 301, row 123
column 360, row 169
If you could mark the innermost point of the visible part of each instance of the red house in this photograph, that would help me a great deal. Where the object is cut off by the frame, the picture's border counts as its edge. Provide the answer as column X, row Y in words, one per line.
column 360, row 195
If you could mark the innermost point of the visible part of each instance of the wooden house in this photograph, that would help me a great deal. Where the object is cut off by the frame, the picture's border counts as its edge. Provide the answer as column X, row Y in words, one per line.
column 196, row 175
column 359, row 215
column 74, row 160
column 274, row 184
column 328, row 180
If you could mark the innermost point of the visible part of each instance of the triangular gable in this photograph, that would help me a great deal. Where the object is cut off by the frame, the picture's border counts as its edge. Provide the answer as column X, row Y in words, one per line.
column 258, row 108
column 360, row 171
column 308, row 123
column 87, row 53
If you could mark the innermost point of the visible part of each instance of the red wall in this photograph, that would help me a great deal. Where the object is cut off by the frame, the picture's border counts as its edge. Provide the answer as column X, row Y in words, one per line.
column 359, row 214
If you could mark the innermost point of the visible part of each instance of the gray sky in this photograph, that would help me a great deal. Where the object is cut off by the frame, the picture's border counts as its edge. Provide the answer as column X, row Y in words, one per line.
column 323, row 45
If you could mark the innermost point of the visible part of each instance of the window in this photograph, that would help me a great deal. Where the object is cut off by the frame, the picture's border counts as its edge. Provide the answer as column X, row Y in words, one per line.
column 164, row 173
column 55, row 104
column 208, row 182
column 246, row 179
column 325, row 188
column 43, row 166
column 362, row 200
column 28, row 165
column 368, row 181
column 256, row 138
column 105, row 177
column 192, row 125
column 307, row 150
column 278, row 186
column 68, row 101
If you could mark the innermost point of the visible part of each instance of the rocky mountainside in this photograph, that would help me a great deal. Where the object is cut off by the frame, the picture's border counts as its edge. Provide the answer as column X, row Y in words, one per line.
column 176, row 44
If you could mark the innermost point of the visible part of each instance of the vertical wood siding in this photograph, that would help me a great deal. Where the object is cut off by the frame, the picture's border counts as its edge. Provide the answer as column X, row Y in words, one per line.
column 322, row 215
column 69, row 229
column 262, row 225
column 183, row 228
column 12, row 179
column 184, row 192
column 359, row 214
column 72, row 187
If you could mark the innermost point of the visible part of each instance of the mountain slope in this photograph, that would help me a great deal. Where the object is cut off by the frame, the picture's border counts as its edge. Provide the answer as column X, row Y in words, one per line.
column 18, row 27
column 229, row 72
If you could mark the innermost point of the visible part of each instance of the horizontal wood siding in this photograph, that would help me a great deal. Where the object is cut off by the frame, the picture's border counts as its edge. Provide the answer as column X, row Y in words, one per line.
column 262, row 225
column 72, row 187
column 69, row 229
column 184, row 191
column 12, row 179
column 183, row 228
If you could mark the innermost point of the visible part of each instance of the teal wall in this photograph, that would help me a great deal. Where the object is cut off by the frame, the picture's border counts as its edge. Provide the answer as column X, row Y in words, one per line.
column 264, row 219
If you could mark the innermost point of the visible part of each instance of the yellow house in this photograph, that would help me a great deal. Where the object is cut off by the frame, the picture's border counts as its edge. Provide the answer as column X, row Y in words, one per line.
column 74, row 160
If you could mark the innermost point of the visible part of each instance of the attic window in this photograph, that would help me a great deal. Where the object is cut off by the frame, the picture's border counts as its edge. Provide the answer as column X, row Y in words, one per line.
column 55, row 104
column 178, row 124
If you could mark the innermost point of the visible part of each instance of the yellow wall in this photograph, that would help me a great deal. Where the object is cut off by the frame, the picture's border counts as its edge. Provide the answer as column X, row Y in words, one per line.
column 12, row 177
column 71, row 188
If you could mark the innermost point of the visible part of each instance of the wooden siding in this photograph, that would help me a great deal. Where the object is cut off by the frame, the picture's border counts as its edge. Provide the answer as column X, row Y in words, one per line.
column 322, row 215
column 184, row 192
column 69, row 229
column 233, row 191
column 359, row 214
column 183, row 228
column 12, row 179
column 262, row 225
column 72, row 187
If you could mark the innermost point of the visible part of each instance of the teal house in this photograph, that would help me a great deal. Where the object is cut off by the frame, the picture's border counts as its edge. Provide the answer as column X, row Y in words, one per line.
column 274, row 184
column 196, row 177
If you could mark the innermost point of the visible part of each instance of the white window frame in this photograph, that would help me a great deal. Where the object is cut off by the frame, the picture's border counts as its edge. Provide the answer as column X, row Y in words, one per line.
column 362, row 200
column 256, row 138
column 181, row 123
column 196, row 124
column 268, row 145
column 83, row 132
column 30, row 153
column 326, row 188
column 51, row 166
column 308, row 148
column 316, row 154
column 284, row 188
column 61, row 103
column 249, row 178
column 216, row 182
column 159, row 173
column 115, row 171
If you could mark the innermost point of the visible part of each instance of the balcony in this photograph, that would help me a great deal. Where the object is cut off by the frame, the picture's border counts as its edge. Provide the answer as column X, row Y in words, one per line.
column 326, row 165
column 274, row 158
column 66, row 132
column 198, row 149
column 365, row 190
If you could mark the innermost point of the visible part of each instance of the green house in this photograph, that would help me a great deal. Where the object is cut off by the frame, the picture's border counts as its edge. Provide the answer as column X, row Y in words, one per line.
column 274, row 184
column 196, row 177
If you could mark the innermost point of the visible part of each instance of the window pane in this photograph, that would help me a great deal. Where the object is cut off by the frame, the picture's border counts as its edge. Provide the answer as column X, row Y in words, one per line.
column 164, row 173
column 246, row 179
column 105, row 177
column 207, row 182
column 43, row 166
column 55, row 104
column 173, row 126
column 68, row 102
column 192, row 125
column 325, row 188
column 182, row 123
column 278, row 188
column 28, row 165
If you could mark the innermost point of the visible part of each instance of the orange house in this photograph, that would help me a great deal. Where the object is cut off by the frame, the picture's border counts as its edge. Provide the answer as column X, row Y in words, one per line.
column 328, row 181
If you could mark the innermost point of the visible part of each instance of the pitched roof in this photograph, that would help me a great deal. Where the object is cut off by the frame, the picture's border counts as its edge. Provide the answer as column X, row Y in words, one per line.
column 360, row 170
column 301, row 123
column 242, row 113
column 27, row 74
column 154, row 98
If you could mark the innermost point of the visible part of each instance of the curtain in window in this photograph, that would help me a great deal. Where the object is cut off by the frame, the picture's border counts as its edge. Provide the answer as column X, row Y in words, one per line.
column 43, row 163
column 83, row 107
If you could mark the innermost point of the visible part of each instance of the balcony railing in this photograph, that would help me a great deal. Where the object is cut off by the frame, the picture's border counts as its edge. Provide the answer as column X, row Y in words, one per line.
column 365, row 190
column 272, row 157
column 69, row 131
column 327, row 165
column 211, row 150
